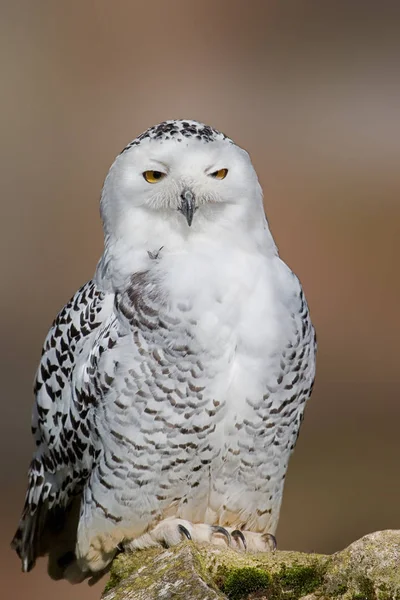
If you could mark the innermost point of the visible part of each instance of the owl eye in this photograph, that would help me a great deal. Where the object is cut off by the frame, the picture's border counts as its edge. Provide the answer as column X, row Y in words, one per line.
column 220, row 174
column 153, row 176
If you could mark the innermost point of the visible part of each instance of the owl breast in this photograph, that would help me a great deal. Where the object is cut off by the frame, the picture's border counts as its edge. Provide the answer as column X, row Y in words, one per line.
column 201, row 393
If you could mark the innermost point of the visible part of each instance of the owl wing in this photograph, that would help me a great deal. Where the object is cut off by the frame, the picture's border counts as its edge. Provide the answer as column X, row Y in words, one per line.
column 60, row 425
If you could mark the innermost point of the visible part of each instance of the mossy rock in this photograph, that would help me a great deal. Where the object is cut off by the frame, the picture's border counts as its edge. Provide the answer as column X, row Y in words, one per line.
column 369, row 569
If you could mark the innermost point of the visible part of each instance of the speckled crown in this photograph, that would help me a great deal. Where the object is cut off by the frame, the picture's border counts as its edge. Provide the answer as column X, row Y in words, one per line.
column 178, row 130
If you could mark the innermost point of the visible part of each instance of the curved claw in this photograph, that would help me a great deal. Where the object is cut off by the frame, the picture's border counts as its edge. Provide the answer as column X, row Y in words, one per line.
column 219, row 529
column 120, row 548
column 270, row 540
column 182, row 529
column 238, row 535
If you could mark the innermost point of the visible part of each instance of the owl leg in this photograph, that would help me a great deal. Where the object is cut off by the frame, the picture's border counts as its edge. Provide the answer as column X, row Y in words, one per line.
column 249, row 541
column 172, row 531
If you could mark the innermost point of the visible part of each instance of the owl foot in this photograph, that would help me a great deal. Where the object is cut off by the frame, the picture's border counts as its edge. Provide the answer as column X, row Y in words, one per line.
column 249, row 541
column 171, row 532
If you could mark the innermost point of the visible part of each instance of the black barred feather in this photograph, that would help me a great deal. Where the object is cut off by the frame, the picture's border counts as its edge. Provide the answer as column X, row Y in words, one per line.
column 58, row 471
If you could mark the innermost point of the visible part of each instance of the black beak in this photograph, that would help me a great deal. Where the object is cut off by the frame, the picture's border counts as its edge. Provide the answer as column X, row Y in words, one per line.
column 188, row 206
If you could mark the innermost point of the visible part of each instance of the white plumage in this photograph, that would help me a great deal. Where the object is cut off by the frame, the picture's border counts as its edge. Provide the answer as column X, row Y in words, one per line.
column 173, row 385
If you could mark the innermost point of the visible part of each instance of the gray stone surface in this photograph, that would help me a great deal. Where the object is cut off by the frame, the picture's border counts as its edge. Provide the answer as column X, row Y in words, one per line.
column 369, row 569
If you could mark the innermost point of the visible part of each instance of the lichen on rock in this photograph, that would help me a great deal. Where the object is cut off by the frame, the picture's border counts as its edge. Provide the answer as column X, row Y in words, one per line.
column 368, row 569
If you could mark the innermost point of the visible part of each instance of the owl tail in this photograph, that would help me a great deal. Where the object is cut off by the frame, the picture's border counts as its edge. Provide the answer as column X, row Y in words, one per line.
column 48, row 527
column 26, row 541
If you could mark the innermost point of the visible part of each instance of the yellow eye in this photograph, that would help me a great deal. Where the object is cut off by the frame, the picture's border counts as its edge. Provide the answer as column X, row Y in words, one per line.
column 153, row 176
column 221, row 174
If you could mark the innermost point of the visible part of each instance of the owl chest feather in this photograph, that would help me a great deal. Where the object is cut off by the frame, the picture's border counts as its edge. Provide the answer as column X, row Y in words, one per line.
column 202, row 401
column 210, row 334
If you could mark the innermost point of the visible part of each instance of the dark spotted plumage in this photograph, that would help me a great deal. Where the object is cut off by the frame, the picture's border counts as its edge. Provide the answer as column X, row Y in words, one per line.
column 59, row 424
column 179, row 130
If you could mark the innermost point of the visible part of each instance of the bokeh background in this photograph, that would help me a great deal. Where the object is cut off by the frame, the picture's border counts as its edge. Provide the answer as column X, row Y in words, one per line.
column 311, row 89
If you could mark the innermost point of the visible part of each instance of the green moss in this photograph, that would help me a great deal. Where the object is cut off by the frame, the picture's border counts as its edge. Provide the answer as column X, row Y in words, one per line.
column 299, row 580
column 383, row 592
column 111, row 583
column 119, row 572
column 289, row 583
column 124, row 565
column 240, row 582
column 366, row 590
column 271, row 576
column 339, row 590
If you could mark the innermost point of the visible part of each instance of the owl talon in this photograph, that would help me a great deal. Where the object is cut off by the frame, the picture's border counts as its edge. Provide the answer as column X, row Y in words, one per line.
column 223, row 531
column 238, row 535
column 171, row 532
column 182, row 529
column 270, row 540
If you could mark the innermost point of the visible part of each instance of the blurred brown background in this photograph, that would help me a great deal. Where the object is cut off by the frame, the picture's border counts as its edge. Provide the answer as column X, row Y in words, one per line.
column 310, row 89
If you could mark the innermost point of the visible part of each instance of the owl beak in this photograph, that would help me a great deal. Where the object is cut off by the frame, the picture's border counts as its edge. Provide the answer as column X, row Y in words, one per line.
column 188, row 206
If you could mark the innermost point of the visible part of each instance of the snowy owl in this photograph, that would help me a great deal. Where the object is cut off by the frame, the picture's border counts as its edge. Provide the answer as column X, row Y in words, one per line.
column 172, row 386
